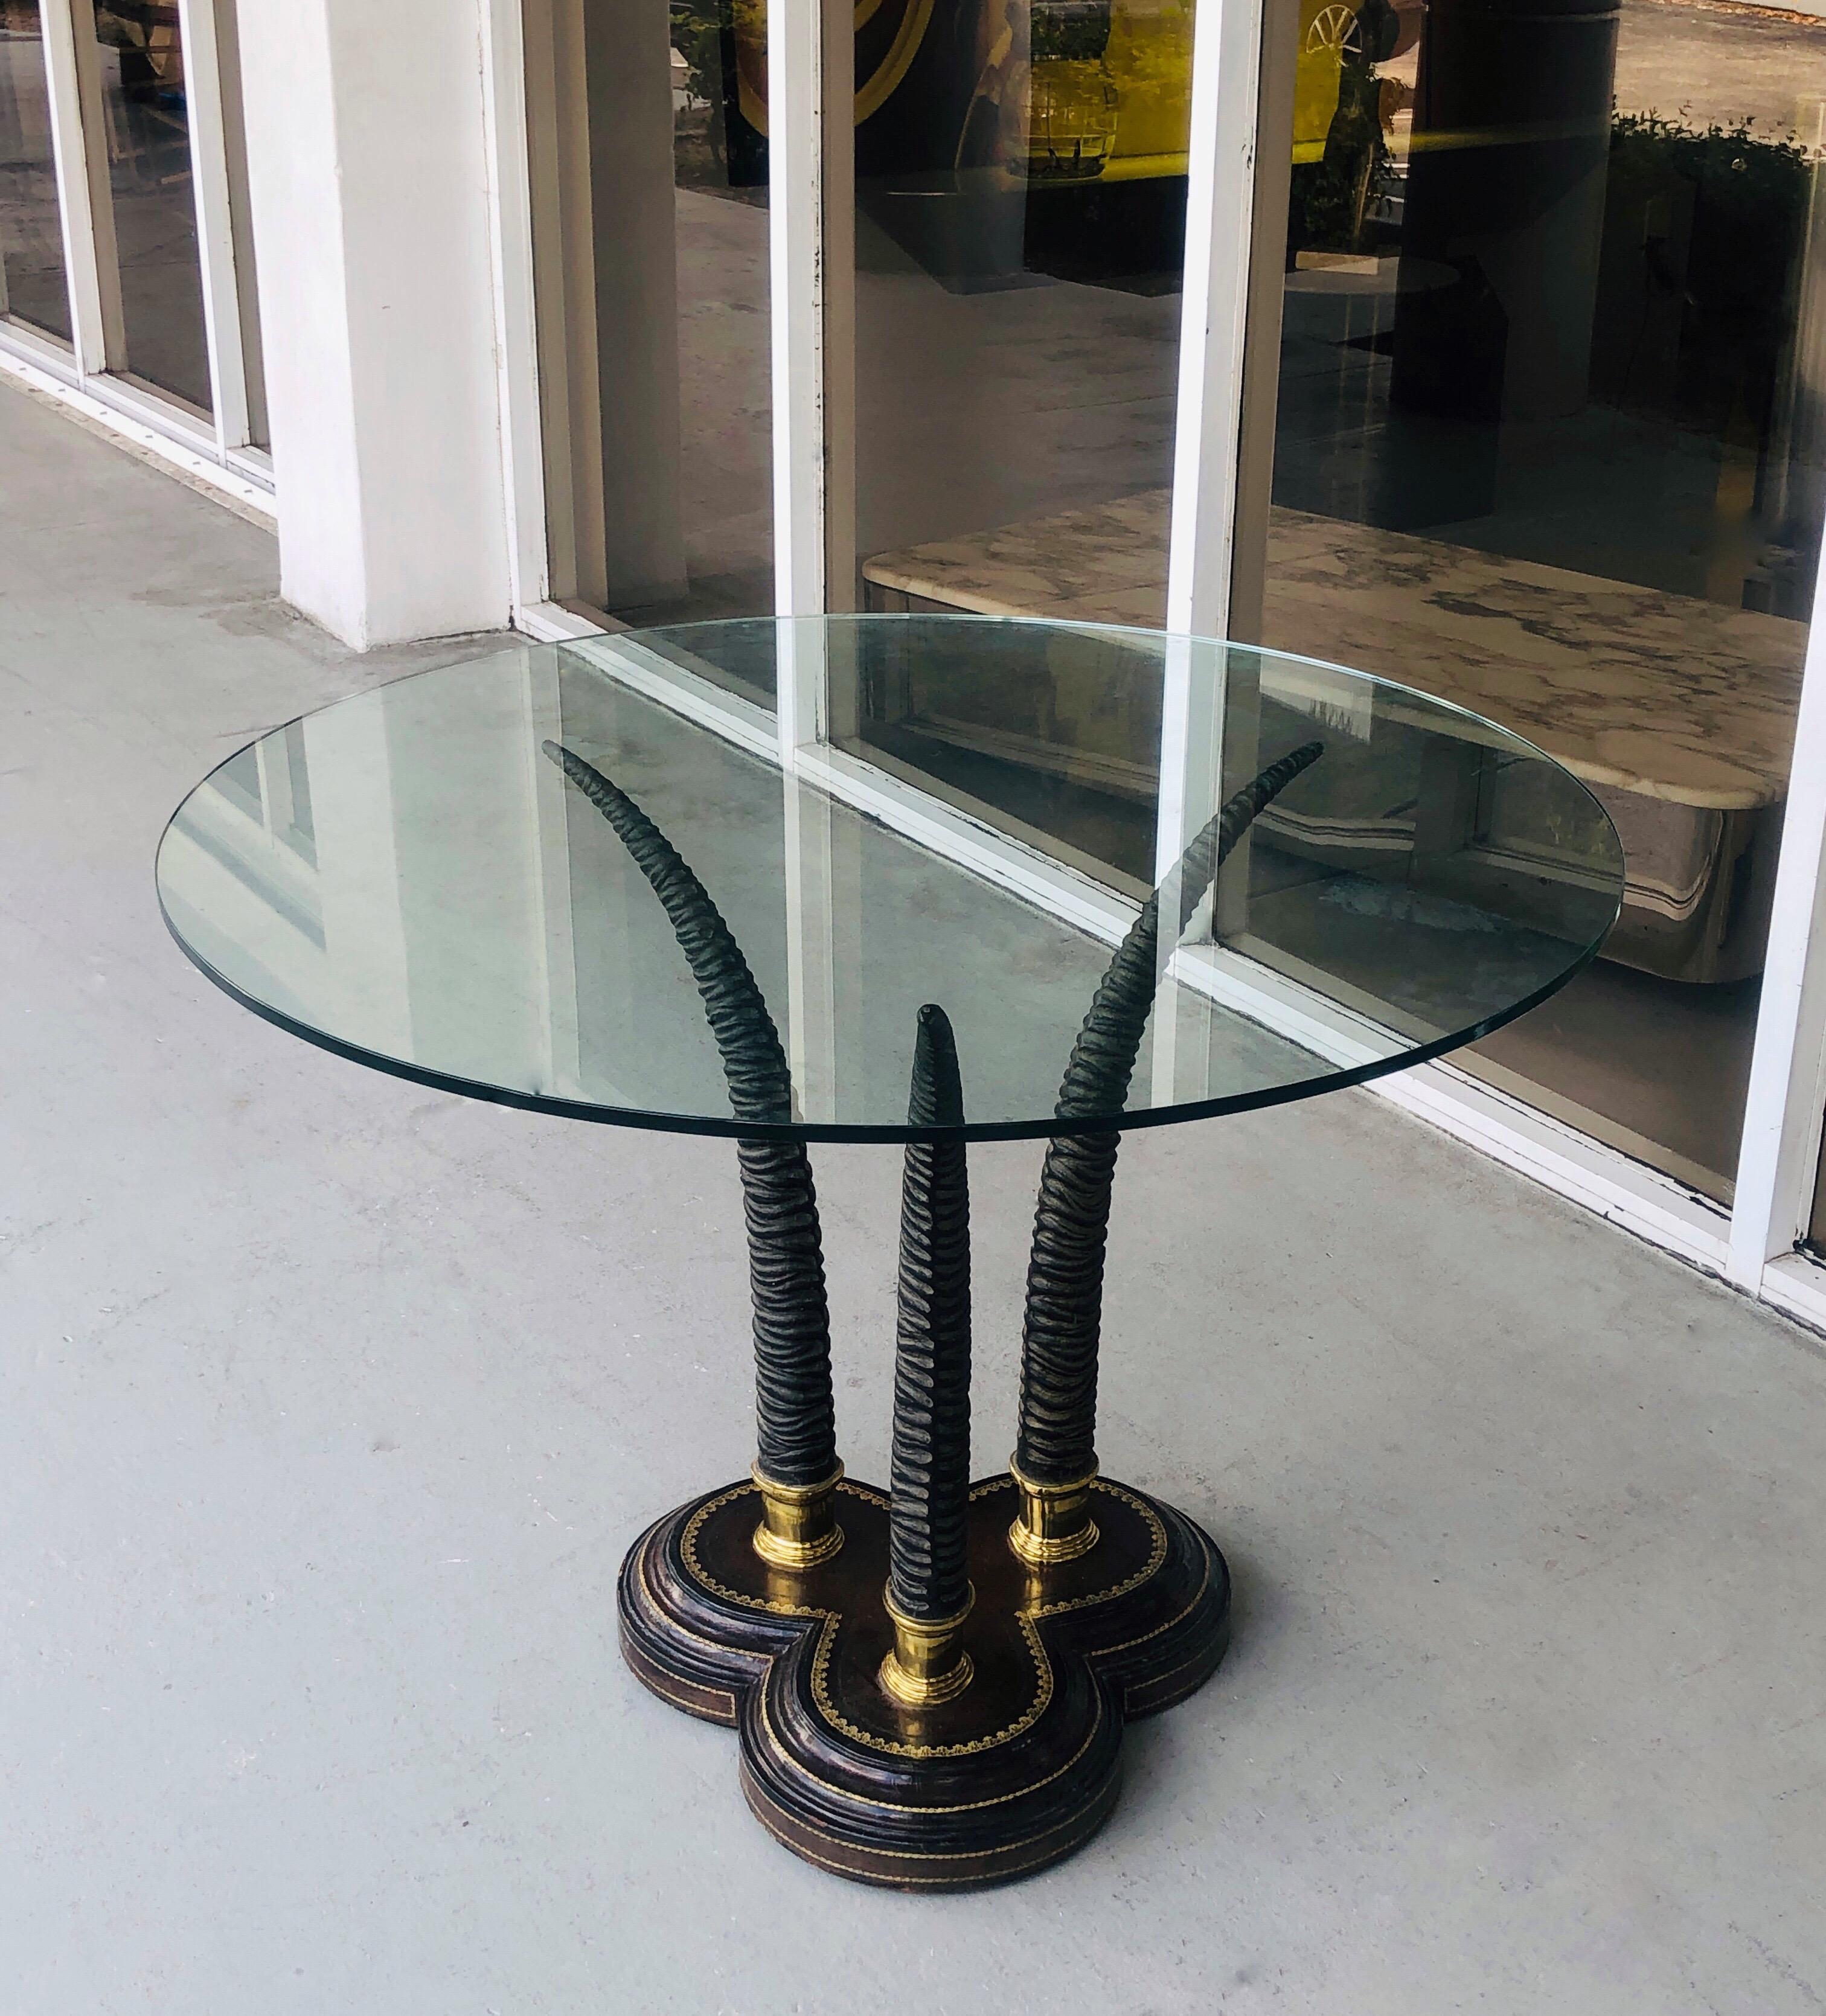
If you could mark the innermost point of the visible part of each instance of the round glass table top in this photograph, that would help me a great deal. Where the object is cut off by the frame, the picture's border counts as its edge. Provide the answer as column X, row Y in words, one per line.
column 1145, row 877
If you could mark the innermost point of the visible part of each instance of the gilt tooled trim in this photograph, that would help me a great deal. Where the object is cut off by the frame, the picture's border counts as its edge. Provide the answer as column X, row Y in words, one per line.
column 829, row 1621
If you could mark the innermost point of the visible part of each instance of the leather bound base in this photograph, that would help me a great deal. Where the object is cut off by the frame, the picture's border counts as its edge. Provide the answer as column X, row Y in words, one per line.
column 1016, row 1771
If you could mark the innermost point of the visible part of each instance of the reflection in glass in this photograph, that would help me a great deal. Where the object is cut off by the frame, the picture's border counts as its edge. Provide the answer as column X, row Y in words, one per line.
column 462, row 910
column 147, row 123
column 720, row 168
column 1550, row 440
column 33, row 287
column 650, row 240
column 1061, row 748
column 227, row 55
column 1020, row 232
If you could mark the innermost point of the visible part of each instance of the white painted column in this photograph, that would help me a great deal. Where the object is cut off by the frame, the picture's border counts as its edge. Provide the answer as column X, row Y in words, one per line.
column 368, row 179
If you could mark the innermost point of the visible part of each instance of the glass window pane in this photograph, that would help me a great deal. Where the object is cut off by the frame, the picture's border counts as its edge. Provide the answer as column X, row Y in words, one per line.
column 32, row 283
column 1020, row 172
column 1551, row 442
column 148, row 136
column 1020, row 228
column 718, row 78
column 649, row 169
column 228, row 49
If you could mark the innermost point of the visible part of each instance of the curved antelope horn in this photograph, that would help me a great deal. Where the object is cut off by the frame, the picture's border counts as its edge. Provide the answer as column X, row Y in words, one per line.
column 1056, row 1450
column 928, row 1590
column 795, row 1415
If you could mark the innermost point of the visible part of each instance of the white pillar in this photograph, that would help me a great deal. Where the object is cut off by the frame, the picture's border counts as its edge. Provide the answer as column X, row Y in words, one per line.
column 368, row 178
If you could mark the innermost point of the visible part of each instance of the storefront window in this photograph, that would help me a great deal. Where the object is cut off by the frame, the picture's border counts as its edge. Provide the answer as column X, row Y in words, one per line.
column 1020, row 217
column 1550, row 440
column 146, row 117
column 1020, row 235
column 650, row 239
column 32, row 286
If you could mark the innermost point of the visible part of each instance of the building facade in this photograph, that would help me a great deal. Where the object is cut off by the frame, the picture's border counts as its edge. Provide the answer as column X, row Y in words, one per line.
column 1479, row 345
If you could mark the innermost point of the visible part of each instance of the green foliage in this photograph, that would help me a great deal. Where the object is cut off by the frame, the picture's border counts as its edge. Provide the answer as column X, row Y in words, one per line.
column 698, row 29
column 1703, row 236
column 1069, row 31
column 1730, row 205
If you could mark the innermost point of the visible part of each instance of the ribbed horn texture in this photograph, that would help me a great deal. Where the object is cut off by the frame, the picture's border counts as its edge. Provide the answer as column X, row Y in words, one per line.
column 1056, row 1443
column 796, row 1419
column 930, row 1496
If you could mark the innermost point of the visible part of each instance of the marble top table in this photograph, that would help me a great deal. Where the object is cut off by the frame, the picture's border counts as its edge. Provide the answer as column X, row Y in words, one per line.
column 1662, row 696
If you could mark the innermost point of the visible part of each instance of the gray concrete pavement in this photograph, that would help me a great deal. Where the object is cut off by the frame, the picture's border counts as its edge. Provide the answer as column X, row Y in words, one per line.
column 328, row 1405
column 1706, row 63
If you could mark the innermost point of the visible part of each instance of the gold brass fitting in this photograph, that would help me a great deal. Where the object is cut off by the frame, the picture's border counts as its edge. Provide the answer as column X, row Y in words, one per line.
column 1055, row 1523
column 927, row 1665
column 798, row 1526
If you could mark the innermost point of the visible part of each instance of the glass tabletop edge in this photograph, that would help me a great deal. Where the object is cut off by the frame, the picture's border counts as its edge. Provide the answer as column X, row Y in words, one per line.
column 837, row 1133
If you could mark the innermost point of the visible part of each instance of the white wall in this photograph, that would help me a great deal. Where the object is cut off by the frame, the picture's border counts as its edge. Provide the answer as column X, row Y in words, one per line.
column 368, row 178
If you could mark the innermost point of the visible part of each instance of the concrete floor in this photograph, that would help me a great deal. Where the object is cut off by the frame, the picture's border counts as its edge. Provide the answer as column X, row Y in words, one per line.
column 329, row 1404
column 1707, row 64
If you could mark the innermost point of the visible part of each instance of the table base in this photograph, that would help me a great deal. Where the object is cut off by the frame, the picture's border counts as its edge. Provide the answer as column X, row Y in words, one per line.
column 1013, row 1773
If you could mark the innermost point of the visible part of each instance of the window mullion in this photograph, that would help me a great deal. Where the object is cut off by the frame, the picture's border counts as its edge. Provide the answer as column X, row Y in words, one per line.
column 1780, row 1150
column 1243, row 59
column 215, row 229
column 811, row 61
column 85, row 199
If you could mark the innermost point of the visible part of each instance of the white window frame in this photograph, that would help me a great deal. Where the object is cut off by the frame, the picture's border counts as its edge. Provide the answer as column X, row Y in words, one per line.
column 1224, row 433
column 216, row 453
